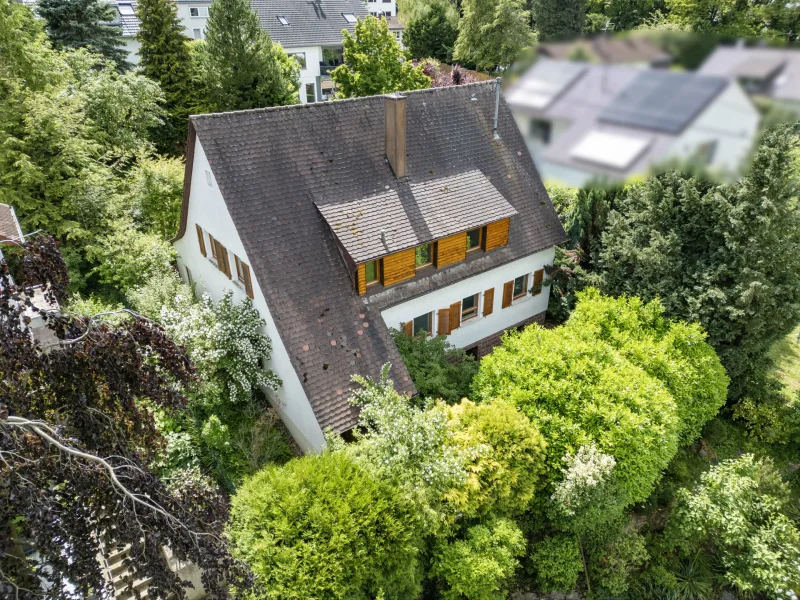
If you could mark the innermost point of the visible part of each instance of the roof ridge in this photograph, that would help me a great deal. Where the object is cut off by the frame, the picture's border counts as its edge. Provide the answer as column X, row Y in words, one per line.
column 300, row 105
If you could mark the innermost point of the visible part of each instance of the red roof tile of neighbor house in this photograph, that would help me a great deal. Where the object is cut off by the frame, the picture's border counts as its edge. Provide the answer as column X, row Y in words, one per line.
column 9, row 225
column 281, row 169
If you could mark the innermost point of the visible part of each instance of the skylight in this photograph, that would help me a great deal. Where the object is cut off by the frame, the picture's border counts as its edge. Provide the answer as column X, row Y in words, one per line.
column 349, row 17
column 126, row 9
column 610, row 149
column 283, row 20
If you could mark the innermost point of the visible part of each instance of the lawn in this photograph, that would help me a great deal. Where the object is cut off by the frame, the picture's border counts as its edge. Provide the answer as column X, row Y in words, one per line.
column 786, row 354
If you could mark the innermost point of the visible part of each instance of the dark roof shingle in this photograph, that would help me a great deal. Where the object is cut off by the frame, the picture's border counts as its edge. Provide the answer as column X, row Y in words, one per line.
column 311, row 22
column 273, row 165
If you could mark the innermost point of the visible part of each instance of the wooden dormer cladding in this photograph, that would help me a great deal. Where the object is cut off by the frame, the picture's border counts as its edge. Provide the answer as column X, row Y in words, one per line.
column 496, row 234
column 451, row 250
column 398, row 267
column 361, row 279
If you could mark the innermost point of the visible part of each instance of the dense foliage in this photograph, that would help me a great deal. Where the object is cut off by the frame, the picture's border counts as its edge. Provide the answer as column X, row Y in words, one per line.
column 492, row 33
column 437, row 368
column 374, row 63
column 324, row 526
column 74, row 24
column 77, row 443
column 431, row 32
column 245, row 68
column 559, row 19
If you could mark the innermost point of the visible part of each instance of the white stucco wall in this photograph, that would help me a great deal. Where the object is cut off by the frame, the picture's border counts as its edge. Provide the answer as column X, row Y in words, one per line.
column 731, row 120
column 207, row 209
column 480, row 327
column 132, row 46
column 379, row 6
column 191, row 23
column 311, row 72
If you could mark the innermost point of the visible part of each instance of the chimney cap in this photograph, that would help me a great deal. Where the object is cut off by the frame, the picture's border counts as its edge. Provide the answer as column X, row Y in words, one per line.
column 395, row 96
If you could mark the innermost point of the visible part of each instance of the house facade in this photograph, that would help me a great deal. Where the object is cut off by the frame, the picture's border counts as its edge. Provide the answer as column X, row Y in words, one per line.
column 411, row 212
column 311, row 32
column 585, row 122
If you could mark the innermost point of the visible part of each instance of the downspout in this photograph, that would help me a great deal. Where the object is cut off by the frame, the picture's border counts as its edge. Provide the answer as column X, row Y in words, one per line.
column 497, row 83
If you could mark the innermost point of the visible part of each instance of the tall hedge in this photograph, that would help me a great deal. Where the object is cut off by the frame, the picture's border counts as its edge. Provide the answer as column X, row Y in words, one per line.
column 324, row 527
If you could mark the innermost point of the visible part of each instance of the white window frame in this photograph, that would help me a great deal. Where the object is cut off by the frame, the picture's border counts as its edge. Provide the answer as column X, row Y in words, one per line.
column 283, row 20
column 202, row 12
column 348, row 16
column 197, row 34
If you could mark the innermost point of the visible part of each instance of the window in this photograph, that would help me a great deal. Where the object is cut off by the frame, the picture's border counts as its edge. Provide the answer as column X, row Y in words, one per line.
column 520, row 286
column 540, row 130
column 423, row 255
column 311, row 94
column 243, row 275
column 300, row 57
column 126, row 9
column 283, row 21
column 473, row 239
column 372, row 272
column 209, row 178
column 189, row 276
column 198, row 35
column 198, row 11
column 423, row 323
column 469, row 308
column 349, row 17
column 213, row 243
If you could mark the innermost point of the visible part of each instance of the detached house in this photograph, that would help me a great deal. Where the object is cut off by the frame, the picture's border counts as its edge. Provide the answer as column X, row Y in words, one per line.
column 341, row 220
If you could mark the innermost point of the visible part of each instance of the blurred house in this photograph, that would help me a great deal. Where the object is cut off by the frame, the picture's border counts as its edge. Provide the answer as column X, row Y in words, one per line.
column 773, row 73
column 634, row 51
column 585, row 122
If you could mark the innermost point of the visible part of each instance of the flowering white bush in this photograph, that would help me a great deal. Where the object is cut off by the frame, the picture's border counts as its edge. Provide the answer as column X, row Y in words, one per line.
column 584, row 474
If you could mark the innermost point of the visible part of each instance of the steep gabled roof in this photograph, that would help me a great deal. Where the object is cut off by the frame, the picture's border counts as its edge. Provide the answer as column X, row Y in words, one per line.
column 275, row 166
column 310, row 22
column 9, row 224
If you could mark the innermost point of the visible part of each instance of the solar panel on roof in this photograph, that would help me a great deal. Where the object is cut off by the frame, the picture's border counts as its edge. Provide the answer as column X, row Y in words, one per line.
column 662, row 100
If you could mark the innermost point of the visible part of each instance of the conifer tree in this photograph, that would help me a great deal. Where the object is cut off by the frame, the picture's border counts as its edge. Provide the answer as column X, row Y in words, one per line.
column 245, row 68
column 431, row 32
column 165, row 58
column 492, row 33
column 559, row 19
column 84, row 24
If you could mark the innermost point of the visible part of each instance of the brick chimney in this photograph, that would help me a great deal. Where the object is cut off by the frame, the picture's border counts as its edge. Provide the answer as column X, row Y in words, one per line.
column 394, row 107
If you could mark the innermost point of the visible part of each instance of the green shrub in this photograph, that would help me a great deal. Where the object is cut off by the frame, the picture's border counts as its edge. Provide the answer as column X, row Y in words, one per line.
column 323, row 527
column 557, row 563
column 438, row 369
column 480, row 566
column 504, row 475
column 738, row 514
column 675, row 353
column 577, row 391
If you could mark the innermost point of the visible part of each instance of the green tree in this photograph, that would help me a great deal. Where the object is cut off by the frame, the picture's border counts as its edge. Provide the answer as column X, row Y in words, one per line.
column 245, row 68
column 492, row 33
column 374, row 63
column 480, row 566
column 724, row 256
column 73, row 24
column 739, row 513
column 437, row 368
column 165, row 58
column 728, row 17
column 156, row 187
column 559, row 19
column 431, row 32
column 325, row 527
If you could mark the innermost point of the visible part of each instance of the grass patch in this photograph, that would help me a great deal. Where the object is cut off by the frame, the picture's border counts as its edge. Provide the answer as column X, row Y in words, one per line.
column 786, row 355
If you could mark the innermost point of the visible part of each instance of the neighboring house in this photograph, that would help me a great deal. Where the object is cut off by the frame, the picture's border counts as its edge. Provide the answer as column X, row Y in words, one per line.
column 194, row 16
column 382, row 8
column 311, row 31
column 767, row 72
column 585, row 122
column 632, row 51
column 342, row 220
column 396, row 28
column 126, row 19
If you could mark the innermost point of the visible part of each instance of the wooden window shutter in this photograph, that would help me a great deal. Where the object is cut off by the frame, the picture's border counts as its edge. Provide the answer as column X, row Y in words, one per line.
column 508, row 293
column 497, row 234
column 538, row 277
column 444, row 322
column 399, row 266
column 361, row 279
column 488, row 302
column 408, row 328
column 223, row 262
column 455, row 315
column 248, row 283
column 201, row 239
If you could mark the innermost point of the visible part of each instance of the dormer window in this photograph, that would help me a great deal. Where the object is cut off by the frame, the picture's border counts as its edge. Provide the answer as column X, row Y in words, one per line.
column 349, row 17
column 474, row 239
column 283, row 21
column 372, row 272
column 423, row 256
column 126, row 9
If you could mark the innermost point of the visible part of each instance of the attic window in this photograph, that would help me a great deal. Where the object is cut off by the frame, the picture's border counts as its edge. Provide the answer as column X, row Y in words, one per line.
column 372, row 271
column 283, row 21
column 126, row 9
column 349, row 17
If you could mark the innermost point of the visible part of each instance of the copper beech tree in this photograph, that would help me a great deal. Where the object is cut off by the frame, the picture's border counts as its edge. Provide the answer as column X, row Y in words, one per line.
column 76, row 439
